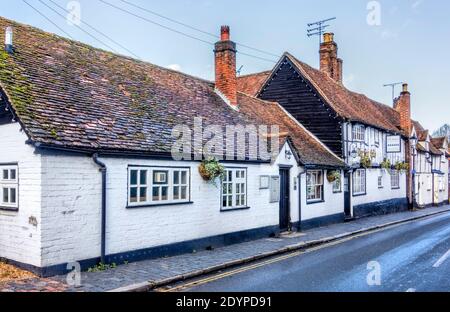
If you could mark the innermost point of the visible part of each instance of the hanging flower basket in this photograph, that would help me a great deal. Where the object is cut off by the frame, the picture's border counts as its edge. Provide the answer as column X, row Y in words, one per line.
column 386, row 164
column 334, row 176
column 365, row 159
column 211, row 169
column 401, row 166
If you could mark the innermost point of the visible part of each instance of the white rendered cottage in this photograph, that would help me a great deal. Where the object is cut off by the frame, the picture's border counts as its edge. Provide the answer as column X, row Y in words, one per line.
column 87, row 172
column 430, row 164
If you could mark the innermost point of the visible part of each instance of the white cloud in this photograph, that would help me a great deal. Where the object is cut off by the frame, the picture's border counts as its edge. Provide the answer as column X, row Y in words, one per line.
column 176, row 67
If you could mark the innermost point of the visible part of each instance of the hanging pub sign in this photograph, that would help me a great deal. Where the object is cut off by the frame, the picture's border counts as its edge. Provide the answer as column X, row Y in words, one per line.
column 393, row 144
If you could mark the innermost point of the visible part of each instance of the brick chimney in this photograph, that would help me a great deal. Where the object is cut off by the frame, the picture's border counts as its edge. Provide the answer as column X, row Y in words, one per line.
column 225, row 62
column 403, row 107
column 329, row 61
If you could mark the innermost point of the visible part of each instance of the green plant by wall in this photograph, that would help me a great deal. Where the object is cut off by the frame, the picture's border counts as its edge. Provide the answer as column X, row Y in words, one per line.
column 102, row 267
column 334, row 176
column 366, row 159
column 210, row 169
column 401, row 166
column 386, row 164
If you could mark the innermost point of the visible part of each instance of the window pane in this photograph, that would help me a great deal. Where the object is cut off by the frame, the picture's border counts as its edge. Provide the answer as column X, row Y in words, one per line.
column 143, row 194
column 133, row 195
column 12, row 174
column 143, row 179
column 176, row 177
column 238, row 174
column 184, row 192
column 176, row 192
column 243, row 188
column 224, row 201
column 230, row 176
column 230, row 188
column 5, row 196
column 133, row 177
column 13, row 195
column 184, row 177
column 5, row 174
column 243, row 200
column 155, row 194
column 164, row 193
column 230, row 201
column 160, row 177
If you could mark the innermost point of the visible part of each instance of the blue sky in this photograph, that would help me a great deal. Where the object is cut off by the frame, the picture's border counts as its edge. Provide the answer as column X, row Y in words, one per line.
column 411, row 44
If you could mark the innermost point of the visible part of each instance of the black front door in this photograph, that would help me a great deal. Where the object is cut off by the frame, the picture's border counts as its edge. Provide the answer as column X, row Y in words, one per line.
column 347, row 195
column 284, row 199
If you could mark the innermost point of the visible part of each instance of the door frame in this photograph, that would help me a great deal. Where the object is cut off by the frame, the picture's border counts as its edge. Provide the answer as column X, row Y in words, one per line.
column 285, row 171
column 348, row 194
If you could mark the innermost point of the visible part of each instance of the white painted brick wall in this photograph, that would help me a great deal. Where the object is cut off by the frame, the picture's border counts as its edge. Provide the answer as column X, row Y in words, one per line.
column 374, row 194
column 71, row 208
column 333, row 204
column 19, row 240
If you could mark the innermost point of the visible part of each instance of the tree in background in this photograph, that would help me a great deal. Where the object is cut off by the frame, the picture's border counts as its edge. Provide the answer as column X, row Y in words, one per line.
column 443, row 131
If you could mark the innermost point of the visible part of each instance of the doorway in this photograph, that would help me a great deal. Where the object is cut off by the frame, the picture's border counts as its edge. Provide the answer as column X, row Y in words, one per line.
column 347, row 195
column 284, row 199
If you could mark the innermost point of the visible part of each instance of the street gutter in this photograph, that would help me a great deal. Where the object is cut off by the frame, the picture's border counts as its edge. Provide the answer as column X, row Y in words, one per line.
column 149, row 286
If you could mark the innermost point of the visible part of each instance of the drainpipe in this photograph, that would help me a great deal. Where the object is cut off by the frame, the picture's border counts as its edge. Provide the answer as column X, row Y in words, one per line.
column 300, row 200
column 102, row 169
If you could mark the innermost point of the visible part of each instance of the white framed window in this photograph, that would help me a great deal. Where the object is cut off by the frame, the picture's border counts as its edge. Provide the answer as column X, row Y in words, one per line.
column 359, row 133
column 359, row 182
column 158, row 186
column 337, row 186
column 234, row 189
column 9, row 186
column 314, row 186
column 395, row 179
column 377, row 137
column 380, row 181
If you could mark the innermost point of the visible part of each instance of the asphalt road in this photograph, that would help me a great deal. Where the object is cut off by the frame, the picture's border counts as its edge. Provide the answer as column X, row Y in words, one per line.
column 411, row 257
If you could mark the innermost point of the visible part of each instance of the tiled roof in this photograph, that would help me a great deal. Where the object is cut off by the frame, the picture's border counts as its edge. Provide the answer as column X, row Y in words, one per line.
column 310, row 151
column 417, row 125
column 434, row 150
column 250, row 84
column 438, row 142
column 347, row 104
column 422, row 135
column 70, row 95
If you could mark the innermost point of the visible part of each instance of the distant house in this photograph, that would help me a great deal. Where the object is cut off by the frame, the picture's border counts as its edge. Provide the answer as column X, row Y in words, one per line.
column 430, row 166
column 87, row 171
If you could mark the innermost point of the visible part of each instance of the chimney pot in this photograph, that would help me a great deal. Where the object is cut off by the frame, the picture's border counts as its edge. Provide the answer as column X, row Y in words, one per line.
column 225, row 33
column 328, row 37
column 9, row 39
column 405, row 87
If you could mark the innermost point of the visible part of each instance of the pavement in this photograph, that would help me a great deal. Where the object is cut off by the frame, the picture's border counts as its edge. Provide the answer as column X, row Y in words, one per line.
column 149, row 274
column 411, row 257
